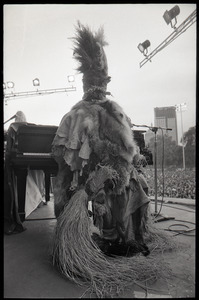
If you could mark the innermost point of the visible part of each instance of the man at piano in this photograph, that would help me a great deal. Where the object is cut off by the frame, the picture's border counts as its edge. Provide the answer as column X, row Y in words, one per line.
column 34, row 183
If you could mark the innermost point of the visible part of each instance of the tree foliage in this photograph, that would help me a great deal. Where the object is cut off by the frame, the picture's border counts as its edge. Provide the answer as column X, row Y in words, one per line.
column 170, row 153
column 190, row 144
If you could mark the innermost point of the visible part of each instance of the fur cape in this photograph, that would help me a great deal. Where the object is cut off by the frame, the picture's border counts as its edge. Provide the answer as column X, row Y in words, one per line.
column 99, row 129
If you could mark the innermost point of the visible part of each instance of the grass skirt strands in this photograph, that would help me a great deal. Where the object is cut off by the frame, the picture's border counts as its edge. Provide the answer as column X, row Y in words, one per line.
column 79, row 258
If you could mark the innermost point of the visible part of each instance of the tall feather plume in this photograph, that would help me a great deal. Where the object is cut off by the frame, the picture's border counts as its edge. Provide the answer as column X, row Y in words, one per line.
column 89, row 52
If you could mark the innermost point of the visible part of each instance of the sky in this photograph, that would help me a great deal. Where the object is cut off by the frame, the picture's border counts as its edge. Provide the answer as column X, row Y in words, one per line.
column 37, row 44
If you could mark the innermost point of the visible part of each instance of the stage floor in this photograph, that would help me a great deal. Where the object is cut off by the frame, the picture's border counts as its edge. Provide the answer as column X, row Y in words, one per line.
column 28, row 271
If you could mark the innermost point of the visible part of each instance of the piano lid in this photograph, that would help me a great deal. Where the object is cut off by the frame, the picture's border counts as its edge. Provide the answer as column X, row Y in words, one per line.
column 31, row 138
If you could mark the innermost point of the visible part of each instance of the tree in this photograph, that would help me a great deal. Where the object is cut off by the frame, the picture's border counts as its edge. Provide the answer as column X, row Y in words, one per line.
column 190, row 143
column 168, row 152
column 172, row 153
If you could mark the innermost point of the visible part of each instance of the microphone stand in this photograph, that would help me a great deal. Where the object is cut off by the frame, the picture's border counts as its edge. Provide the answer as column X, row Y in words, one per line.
column 155, row 129
column 9, row 119
column 156, row 214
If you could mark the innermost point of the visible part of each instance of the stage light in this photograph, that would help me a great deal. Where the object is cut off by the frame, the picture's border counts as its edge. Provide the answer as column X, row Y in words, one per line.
column 10, row 84
column 171, row 14
column 143, row 47
column 71, row 78
column 36, row 82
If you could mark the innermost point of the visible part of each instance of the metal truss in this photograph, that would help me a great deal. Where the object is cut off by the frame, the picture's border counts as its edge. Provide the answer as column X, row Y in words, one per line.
column 12, row 95
column 176, row 33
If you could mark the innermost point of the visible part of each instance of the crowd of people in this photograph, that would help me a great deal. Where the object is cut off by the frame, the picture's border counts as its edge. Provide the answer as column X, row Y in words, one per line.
column 178, row 183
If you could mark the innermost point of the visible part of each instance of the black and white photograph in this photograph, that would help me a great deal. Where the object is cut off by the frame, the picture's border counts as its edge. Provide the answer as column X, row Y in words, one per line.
column 99, row 150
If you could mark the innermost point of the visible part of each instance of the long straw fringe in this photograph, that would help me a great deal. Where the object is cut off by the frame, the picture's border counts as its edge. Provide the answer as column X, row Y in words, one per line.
column 79, row 259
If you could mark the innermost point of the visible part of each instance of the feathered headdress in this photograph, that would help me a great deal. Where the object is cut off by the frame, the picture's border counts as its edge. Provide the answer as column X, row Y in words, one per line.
column 89, row 52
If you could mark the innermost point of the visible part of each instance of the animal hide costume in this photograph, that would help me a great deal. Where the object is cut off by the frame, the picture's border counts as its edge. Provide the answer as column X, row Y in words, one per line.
column 94, row 148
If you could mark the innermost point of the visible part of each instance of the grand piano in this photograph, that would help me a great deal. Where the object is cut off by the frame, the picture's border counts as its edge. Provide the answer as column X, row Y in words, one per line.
column 29, row 147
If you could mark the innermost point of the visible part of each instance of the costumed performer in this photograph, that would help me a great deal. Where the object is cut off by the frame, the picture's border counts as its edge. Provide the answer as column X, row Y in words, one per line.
column 95, row 149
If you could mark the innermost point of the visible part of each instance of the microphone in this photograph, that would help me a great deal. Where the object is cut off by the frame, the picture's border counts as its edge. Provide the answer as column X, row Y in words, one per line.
column 151, row 127
column 10, row 119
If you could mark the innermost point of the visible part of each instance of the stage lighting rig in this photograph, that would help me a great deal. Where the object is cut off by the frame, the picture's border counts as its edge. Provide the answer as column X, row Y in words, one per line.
column 143, row 47
column 172, row 15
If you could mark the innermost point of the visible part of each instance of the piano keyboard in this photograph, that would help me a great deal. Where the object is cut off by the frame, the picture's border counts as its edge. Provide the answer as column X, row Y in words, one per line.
column 37, row 154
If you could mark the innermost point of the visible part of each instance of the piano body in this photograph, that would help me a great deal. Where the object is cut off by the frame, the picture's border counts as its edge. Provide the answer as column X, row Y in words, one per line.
column 29, row 147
